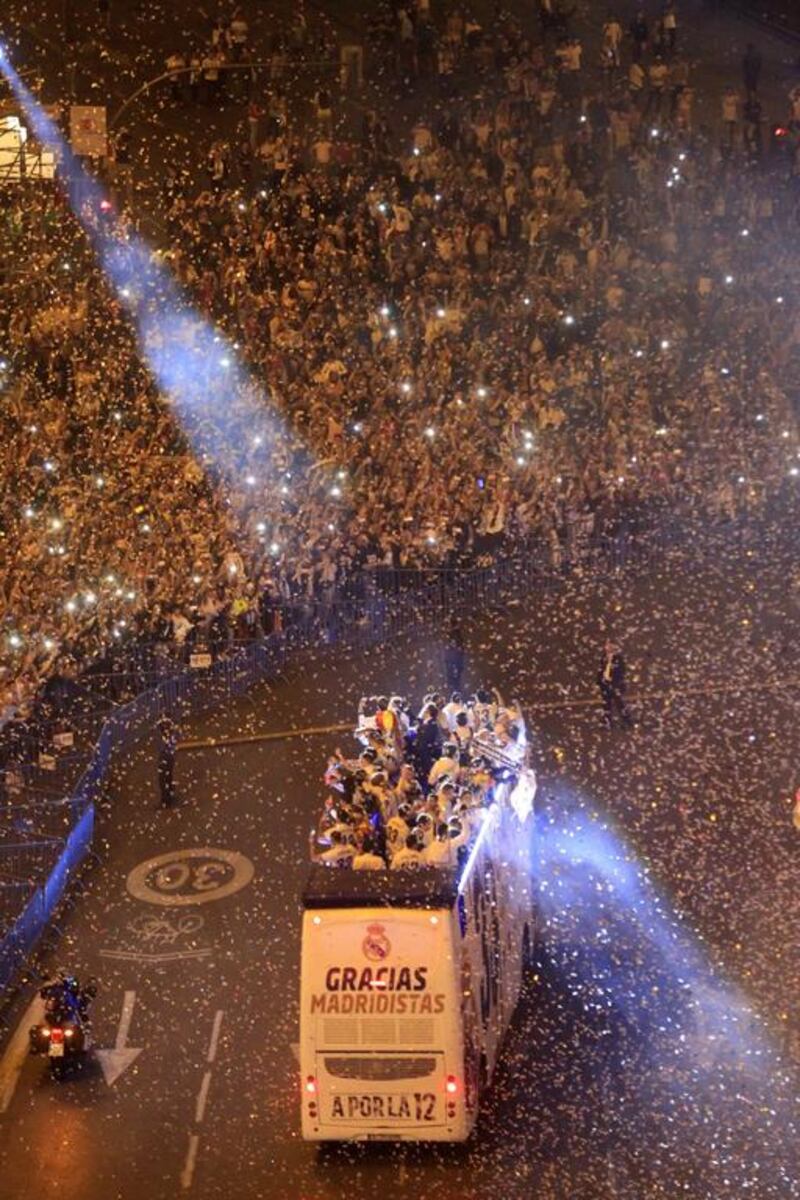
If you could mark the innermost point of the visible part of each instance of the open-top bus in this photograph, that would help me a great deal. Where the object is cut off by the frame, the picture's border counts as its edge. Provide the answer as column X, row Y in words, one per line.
column 409, row 980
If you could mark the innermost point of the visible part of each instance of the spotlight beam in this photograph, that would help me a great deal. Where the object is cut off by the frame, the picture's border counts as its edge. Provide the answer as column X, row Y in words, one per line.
column 194, row 364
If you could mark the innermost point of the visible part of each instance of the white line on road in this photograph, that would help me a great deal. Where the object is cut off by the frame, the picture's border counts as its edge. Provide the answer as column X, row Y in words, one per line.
column 202, row 1099
column 175, row 956
column 191, row 1158
column 13, row 1060
column 187, row 1174
column 124, row 1027
column 212, row 1045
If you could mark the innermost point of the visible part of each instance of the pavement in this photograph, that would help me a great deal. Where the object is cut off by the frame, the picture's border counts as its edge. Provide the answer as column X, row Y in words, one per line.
column 654, row 1053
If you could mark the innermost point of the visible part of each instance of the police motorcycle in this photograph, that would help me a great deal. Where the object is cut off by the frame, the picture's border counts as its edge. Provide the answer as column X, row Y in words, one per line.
column 64, row 1034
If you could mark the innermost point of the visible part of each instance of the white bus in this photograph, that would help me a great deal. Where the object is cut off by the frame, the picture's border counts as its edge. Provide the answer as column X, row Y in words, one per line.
column 409, row 980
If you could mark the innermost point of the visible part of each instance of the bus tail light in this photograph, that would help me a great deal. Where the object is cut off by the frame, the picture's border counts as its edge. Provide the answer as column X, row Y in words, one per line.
column 310, row 1089
column 451, row 1090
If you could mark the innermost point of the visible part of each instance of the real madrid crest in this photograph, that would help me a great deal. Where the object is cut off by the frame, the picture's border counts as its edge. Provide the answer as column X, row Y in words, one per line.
column 376, row 945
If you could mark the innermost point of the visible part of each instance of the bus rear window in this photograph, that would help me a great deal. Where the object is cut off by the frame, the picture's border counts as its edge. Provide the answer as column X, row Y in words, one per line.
column 380, row 1068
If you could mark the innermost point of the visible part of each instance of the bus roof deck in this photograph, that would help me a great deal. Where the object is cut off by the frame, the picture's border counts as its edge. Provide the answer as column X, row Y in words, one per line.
column 428, row 887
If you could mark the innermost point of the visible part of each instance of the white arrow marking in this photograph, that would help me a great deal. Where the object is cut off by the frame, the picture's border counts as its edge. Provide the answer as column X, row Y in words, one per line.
column 115, row 1061
column 13, row 1060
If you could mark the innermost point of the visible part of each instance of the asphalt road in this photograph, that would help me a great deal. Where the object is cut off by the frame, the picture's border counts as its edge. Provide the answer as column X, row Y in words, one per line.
column 655, row 1052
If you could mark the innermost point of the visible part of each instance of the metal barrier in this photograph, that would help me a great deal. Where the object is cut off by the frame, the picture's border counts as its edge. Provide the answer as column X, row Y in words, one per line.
column 50, row 810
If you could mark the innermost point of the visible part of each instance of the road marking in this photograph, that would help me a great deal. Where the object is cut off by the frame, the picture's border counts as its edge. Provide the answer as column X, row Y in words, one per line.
column 191, row 876
column 114, row 1062
column 187, row 1174
column 164, row 929
column 212, row 1045
column 202, row 1099
column 17, row 1050
column 239, row 739
column 175, row 956
column 125, row 1019
column 295, row 1049
column 191, row 1158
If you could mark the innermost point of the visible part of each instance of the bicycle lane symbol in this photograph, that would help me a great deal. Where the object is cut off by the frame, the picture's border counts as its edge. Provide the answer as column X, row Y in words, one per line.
column 161, row 938
column 157, row 931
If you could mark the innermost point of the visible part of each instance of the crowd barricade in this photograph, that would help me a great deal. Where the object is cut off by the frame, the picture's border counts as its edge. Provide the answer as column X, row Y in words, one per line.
column 115, row 708
column 22, row 932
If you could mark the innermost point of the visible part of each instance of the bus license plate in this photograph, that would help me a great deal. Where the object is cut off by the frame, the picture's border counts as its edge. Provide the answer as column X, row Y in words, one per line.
column 408, row 1107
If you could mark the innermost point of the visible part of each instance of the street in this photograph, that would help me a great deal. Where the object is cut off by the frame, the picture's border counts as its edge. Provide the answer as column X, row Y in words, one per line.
column 656, row 1050
column 652, row 1054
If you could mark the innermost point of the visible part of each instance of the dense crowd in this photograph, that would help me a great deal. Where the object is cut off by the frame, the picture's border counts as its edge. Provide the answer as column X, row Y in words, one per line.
column 418, row 790
column 571, row 314
column 556, row 301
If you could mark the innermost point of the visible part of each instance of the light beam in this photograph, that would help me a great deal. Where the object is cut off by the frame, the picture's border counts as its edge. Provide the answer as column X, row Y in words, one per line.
column 194, row 364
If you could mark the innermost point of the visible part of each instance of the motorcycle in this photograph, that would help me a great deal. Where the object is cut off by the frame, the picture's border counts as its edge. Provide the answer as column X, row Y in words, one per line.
column 64, row 1034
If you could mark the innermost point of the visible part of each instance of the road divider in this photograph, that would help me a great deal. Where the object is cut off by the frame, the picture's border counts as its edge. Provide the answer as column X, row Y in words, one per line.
column 201, row 1101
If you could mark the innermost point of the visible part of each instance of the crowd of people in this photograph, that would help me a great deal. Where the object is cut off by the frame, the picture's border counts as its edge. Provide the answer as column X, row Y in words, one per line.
column 418, row 790
column 548, row 298
column 541, row 291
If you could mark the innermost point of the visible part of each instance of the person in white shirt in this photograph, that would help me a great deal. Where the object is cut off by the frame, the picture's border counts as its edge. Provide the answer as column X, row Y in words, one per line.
column 447, row 764
column 425, row 830
column 406, row 783
column 396, row 834
column 181, row 626
column 636, row 78
column 445, row 799
column 452, row 709
column 340, row 853
column 402, row 218
column 462, row 733
column 443, row 850
column 410, row 857
column 238, row 34
column 612, row 39
column 396, row 706
column 322, row 151
column 515, row 717
column 435, row 701
column 483, row 709
column 367, row 859
column 730, row 113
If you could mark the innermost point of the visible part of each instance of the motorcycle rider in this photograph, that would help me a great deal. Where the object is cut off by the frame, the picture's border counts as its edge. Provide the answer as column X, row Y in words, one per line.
column 65, row 1025
column 64, row 994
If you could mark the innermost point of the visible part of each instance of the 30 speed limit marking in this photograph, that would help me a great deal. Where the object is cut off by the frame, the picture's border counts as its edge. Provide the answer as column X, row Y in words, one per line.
column 194, row 876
